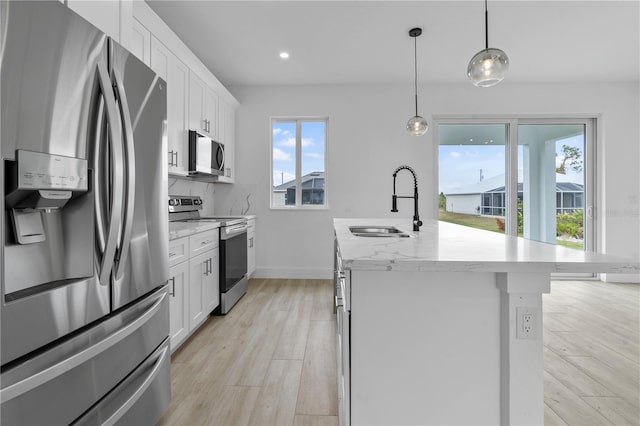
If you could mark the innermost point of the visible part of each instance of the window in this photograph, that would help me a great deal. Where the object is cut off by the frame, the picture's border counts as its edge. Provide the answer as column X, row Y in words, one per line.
column 298, row 163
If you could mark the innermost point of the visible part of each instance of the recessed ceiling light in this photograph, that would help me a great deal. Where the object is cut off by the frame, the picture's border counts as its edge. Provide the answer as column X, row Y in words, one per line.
column 284, row 55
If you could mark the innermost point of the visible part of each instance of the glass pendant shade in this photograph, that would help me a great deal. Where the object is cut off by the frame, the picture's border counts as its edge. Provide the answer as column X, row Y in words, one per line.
column 488, row 67
column 417, row 126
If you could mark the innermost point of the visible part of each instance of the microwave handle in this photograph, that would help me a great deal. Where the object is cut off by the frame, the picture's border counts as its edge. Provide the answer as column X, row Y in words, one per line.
column 221, row 149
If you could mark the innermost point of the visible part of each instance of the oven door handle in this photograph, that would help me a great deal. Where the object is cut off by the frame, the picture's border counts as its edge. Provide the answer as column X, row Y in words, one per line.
column 233, row 232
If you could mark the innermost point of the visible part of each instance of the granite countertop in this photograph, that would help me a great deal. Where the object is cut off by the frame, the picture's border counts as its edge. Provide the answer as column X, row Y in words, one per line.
column 184, row 229
column 442, row 246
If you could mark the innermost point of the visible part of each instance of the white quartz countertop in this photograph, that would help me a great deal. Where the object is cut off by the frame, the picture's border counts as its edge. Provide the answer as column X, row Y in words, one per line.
column 184, row 229
column 442, row 246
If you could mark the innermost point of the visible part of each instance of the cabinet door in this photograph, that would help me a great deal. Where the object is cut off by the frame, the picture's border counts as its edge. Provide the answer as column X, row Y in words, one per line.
column 226, row 129
column 197, row 120
column 211, row 282
column 175, row 73
column 178, row 115
column 104, row 14
column 211, row 112
column 140, row 43
column 198, row 273
column 178, row 304
column 251, row 251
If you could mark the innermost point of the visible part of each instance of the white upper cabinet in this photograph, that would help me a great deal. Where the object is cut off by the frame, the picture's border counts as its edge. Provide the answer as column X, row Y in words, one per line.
column 176, row 74
column 196, row 100
column 203, row 107
column 104, row 14
column 140, row 42
column 226, row 135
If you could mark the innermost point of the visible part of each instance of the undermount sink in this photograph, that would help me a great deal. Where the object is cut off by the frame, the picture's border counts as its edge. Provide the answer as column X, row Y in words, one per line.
column 378, row 231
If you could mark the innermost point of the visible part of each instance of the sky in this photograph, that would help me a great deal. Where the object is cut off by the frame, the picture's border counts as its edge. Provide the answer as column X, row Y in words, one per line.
column 284, row 149
column 460, row 165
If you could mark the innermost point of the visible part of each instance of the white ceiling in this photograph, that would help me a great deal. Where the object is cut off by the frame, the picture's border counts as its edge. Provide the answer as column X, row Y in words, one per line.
column 354, row 42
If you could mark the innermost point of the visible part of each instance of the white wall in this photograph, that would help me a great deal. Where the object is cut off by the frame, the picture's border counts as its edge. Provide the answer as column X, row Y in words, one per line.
column 367, row 142
column 464, row 203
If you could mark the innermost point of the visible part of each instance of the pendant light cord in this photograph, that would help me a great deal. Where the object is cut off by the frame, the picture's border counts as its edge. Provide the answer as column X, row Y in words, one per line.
column 415, row 70
column 486, row 25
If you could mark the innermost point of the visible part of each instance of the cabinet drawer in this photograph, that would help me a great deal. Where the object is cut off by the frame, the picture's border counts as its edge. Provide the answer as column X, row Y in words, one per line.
column 178, row 251
column 199, row 243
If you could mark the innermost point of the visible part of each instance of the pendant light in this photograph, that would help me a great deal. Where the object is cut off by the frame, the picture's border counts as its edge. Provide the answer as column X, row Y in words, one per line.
column 417, row 126
column 489, row 66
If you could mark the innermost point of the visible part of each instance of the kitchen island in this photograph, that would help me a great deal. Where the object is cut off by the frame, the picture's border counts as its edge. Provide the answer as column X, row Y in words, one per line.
column 444, row 325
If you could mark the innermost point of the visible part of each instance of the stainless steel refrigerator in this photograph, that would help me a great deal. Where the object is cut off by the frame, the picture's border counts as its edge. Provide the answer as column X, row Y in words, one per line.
column 84, row 307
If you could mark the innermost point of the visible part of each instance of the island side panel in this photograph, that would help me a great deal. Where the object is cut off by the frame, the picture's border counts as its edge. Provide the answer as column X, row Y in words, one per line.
column 522, row 383
column 425, row 348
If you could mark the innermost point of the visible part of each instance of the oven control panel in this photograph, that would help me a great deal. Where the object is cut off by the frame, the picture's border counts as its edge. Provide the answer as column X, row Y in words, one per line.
column 184, row 203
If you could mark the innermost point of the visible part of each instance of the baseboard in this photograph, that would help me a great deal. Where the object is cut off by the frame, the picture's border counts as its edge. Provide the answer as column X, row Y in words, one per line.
column 620, row 278
column 294, row 273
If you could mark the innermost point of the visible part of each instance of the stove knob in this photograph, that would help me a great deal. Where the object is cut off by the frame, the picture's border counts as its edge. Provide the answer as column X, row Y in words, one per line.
column 198, row 202
column 173, row 202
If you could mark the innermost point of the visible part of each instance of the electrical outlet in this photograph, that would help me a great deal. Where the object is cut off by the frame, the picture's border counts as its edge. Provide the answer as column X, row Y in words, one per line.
column 526, row 323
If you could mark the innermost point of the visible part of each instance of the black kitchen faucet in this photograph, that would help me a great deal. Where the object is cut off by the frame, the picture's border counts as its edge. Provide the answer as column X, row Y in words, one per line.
column 394, row 198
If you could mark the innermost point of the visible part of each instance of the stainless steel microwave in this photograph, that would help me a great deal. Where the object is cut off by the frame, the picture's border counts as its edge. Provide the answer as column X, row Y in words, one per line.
column 206, row 156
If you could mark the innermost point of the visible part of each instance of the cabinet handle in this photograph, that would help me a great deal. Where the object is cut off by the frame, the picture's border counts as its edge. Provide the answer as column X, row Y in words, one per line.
column 205, row 242
column 171, row 160
column 204, row 124
column 176, row 159
column 210, row 265
column 173, row 287
column 171, row 254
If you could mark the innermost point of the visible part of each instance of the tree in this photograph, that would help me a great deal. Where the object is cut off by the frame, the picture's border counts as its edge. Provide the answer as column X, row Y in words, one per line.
column 572, row 157
column 442, row 201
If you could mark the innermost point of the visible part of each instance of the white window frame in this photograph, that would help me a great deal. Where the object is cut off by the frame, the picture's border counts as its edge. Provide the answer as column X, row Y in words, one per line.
column 299, row 120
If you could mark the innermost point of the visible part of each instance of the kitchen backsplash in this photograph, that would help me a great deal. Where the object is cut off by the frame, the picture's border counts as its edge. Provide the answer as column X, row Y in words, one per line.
column 188, row 187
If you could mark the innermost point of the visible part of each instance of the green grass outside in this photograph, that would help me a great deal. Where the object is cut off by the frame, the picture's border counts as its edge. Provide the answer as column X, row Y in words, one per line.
column 474, row 221
column 490, row 224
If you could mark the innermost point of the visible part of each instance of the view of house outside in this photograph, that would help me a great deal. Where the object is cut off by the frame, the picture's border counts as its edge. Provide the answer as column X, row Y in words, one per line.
column 290, row 170
column 472, row 185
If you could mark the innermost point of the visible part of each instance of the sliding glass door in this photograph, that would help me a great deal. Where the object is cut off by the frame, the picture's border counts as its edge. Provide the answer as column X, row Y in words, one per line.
column 529, row 177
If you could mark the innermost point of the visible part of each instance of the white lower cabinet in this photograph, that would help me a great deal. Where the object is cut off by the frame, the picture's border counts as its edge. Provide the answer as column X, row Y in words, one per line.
column 194, row 283
column 251, row 247
column 179, row 303
column 211, row 285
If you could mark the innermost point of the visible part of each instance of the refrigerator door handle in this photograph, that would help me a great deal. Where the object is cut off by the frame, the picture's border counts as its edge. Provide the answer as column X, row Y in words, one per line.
column 98, row 199
column 125, row 242
column 108, row 255
column 73, row 361
column 113, row 419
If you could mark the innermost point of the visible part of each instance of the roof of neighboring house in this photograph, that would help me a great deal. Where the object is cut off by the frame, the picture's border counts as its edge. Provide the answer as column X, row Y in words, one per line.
column 497, row 184
column 311, row 180
column 560, row 187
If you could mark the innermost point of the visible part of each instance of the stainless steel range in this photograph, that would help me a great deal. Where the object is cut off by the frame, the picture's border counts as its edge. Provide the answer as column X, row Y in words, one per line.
column 233, row 246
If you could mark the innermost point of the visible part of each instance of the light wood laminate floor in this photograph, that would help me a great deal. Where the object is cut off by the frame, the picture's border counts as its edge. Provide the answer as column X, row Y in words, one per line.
column 591, row 353
column 271, row 360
